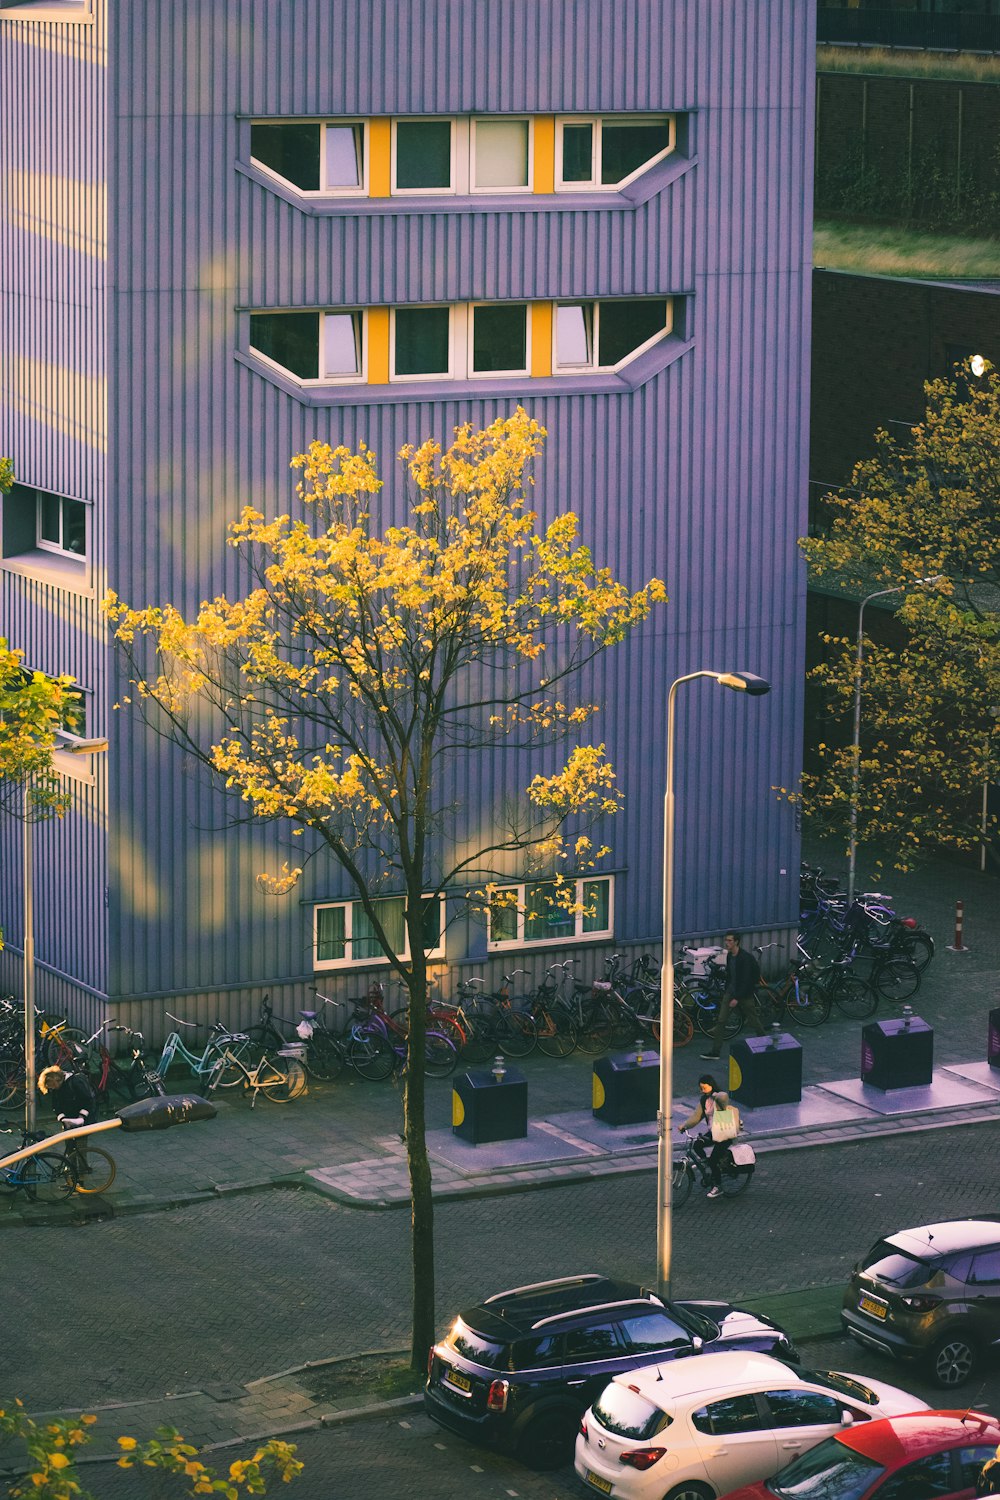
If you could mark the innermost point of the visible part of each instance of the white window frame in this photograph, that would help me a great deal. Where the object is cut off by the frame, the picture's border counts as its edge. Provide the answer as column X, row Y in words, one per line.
column 474, row 374
column 47, row 10
column 322, row 192
column 577, row 936
column 367, row 963
column 496, row 192
column 43, row 545
column 594, row 184
column 457, row 339
column 321, row 380
column 456, row 157
column 595, row 305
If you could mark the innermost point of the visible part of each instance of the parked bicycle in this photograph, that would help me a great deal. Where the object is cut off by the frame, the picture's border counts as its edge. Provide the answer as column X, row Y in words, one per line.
column 280, row 1078
column 219, row 1040
column 502, row 1024
column 116, row 1081
column 380, row 1044
column 76, row 1167
column 324, row 1056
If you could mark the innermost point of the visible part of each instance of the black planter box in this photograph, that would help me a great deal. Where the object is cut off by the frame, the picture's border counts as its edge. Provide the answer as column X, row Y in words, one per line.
column 765, row 1070
column 897, row 1054
column 483, row 1110
column 993, row 1039
column 625, row 1090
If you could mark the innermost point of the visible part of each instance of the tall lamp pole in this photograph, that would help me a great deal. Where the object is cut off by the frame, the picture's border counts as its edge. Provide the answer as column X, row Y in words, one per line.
column 77, row 747
column 740, row 682
column 852, row 856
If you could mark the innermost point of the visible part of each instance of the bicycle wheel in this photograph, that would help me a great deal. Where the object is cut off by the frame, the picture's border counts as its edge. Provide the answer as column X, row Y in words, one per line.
column 896, row 979
column 371, row 1055
column 440, row 1055
column 597, row 1031
column 478, row 1040
column 919, row 946
column 735, row 1180
column 807, row 1005
column 708, row 1015
column 681, row 1180
column 514, row 1032
column 12, row 1086
column 44, row 1178
column 324, row 1057
column 556, row 1032
column 853, row 997
column 65, row 1048
column 683, row 1028
column 280, row 1079
column 100, row 1172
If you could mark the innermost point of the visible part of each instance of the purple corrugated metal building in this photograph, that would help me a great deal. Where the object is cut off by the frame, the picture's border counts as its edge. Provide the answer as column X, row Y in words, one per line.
column 229, row 228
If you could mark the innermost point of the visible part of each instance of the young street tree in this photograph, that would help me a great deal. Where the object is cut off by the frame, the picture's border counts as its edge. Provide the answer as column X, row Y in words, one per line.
column 360, row 684
column 930, row 732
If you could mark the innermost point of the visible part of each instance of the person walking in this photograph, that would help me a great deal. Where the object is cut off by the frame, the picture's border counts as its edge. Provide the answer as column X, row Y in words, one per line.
column 742, row 978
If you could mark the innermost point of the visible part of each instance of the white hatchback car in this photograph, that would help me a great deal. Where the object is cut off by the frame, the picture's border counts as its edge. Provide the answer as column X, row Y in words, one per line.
column 697, row 1428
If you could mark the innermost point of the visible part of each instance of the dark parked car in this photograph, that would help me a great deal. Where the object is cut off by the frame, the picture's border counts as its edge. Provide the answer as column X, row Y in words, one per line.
column 930, row 1294
column 519, row 1370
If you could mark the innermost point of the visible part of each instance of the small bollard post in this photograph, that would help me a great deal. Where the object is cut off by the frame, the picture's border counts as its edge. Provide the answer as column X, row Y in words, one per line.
column 958, row 946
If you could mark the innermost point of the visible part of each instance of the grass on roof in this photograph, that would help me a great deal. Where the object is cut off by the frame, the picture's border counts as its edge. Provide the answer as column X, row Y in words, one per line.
column 965, row 67
column 886, row 250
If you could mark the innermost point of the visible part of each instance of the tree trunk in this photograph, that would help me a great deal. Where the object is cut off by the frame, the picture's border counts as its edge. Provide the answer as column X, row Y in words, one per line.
column 414, row 1128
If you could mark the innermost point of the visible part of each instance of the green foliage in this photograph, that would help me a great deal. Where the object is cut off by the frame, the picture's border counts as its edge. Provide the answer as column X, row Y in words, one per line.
column 50, row 1454
column 930, row 732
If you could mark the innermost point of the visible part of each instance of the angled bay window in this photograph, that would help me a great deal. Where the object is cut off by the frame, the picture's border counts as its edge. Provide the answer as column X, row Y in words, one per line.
column 536, row 912
column 606, row 335
column 344, row 935
column 327, row 347
column 312, row 156
column 606, row 153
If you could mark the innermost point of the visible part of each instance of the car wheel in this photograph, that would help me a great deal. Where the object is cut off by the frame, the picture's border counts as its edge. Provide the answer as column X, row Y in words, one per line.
column 691, row 1490
column 953, row 1360
column 547, row 1441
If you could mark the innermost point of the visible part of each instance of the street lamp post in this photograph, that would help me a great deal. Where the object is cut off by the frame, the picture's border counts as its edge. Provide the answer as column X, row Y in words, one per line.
column 901, row 588
column 77, row 747
column 740, row 682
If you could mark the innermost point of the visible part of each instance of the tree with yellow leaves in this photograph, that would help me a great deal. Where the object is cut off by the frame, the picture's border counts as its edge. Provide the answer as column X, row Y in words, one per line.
column 370, row 670
column 927, row 508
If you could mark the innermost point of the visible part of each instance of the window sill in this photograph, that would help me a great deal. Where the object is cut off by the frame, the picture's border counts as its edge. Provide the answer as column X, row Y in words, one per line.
column 566, row 200
column 637, row 374
column 69, row 573
column 75, row 14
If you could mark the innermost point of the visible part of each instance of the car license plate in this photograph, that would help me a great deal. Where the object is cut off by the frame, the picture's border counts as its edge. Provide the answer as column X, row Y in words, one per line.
column 604, row 1485
column 458, row 1380
column 871, row 1307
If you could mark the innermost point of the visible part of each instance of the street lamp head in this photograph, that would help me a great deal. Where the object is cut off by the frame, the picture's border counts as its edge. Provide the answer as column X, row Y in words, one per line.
column 929, row 582
column 745, row 682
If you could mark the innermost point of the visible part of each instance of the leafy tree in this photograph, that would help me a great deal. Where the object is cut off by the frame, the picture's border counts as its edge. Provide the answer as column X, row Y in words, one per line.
column 923, row 508
column 363, row 678
column 50, row 1460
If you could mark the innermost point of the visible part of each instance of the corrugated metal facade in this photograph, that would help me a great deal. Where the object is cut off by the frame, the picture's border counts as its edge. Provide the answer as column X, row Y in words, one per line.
column 698, row 475
column 53, row 425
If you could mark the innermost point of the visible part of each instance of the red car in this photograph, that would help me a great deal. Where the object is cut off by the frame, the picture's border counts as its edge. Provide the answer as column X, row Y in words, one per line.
column 930, row 1455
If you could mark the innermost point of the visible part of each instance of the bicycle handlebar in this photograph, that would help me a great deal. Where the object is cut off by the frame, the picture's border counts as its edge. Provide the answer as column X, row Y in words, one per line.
column 177, row 1020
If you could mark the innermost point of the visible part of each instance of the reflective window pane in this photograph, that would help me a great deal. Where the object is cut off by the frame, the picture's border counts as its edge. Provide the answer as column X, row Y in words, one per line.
column 500, row 337
column 422, row 341
column 627, row 147
column 503, row 923
column 545, row 915
column 74, row 531
column 574, row 335
column 50, row 513
column 73, row 717
column 342, row 344
column 624, row 326
column 390, row 915
column 290, row 150
column 423, row 154
column 597, row 900
column 290, row 339
column 330, row 934
column 577, row 153
column 344, row 156
column 501, row 153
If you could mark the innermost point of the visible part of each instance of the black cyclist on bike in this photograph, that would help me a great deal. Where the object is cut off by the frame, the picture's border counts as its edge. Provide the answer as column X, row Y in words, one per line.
column 711, row 1101
column 75, row 1103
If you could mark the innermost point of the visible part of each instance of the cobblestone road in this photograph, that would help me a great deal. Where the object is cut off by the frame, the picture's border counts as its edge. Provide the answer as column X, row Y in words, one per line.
column 245, row 1286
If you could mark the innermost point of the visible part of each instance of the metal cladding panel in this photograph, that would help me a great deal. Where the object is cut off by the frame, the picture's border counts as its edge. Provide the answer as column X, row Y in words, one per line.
column 699, row 475
column 53, row 425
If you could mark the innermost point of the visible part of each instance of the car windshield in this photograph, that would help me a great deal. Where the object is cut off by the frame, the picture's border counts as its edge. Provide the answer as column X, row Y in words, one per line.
column 845, row 1384
column 891, row 1264
column 627, row 1414
column 474, row 1346
column 695, row 1321
column 828, row 1472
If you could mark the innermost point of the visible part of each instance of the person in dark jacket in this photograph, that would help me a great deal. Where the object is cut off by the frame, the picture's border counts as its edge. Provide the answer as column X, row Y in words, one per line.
column 988, row 1482
column 73, row 1100
column 742, row 978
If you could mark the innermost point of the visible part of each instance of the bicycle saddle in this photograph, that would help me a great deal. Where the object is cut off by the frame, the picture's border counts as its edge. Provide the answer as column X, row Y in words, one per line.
column 308, row 1015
